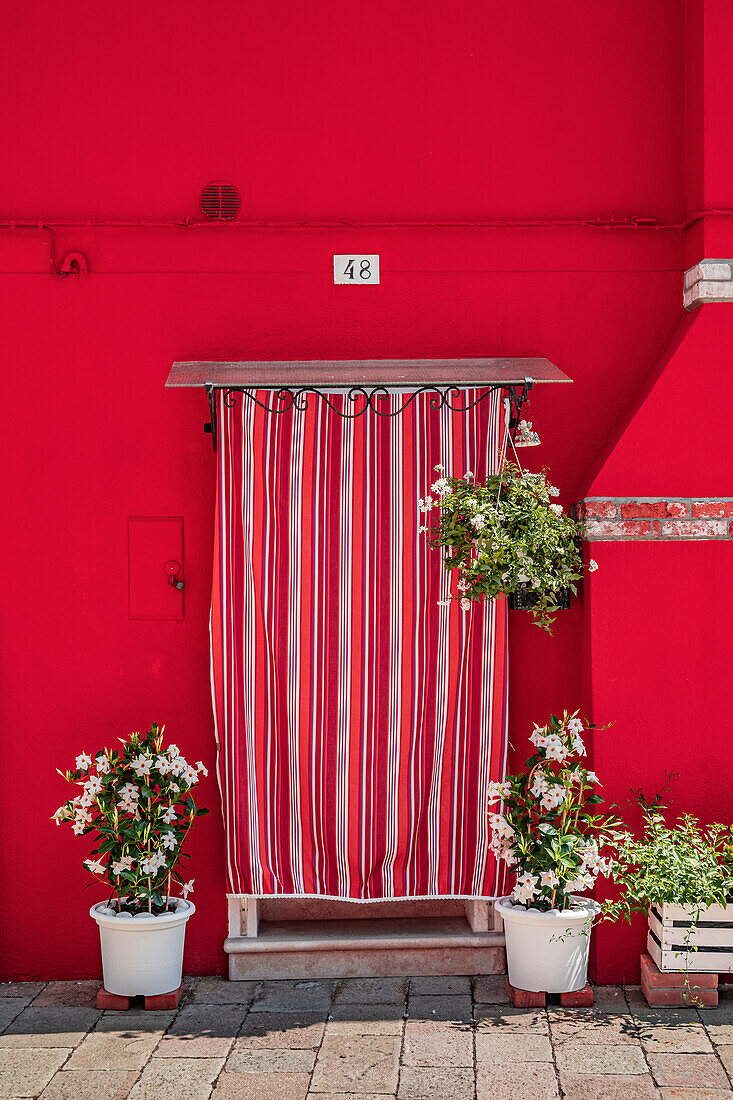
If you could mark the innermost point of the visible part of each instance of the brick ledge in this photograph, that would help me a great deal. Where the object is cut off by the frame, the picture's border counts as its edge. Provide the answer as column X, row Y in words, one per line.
column 612, row 519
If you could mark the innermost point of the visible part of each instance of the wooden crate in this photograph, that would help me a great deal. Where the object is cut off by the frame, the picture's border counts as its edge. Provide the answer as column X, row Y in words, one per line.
column 708, row 949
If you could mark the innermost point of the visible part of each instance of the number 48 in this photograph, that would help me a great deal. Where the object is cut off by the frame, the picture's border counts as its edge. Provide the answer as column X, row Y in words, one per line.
column 364, row 272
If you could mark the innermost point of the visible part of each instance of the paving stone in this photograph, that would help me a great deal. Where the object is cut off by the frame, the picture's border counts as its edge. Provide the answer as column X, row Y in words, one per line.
column 609, row 1086
column 202, row 1031
column 294, row 1030
column 592, row 1027
column 439, row 1044
column 372, row 991
column 598, row 1058
column 690, row 1070
column 533, row 1081
column 721, row 1033
column 350, row 1095
column 456, row 1009
column 506, row 1018
column 27, row 1072
column 490, row 989
column 694, row 1094
column 177, row 1079
column 135, row 1021
column 418, row 1083
column 10, row 1007
column 121, row 1041
column 495, row 1047
column 90, row 1084
column 369, row 1019
column 725, row 1053
column 49, row 1027
column 287, row 996
column 220, row 991
column 684, row 1039
column 28, row 990
column 275, row 1060
column 609, row 998
column 440, row 986
column 369, row 1063
column 68, row 994
column 264, row 1086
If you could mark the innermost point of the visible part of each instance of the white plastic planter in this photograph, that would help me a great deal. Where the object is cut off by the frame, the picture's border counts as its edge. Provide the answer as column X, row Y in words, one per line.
column 142, row 955
column 675, row 945
column 548, row 951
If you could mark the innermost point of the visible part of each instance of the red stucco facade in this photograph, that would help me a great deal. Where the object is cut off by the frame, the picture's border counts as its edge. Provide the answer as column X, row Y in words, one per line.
column 408, row 131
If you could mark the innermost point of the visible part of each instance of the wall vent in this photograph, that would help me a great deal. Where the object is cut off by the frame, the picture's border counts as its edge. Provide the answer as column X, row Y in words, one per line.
column 220, row 201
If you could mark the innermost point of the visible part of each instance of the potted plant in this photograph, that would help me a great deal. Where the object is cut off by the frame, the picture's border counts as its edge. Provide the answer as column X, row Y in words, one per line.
column 136, row 804
column 506, row 536
column 550, row 835
column 682, row 875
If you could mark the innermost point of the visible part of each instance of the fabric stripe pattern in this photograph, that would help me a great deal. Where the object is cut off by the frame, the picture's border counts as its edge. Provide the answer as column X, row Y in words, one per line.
column 359, row 720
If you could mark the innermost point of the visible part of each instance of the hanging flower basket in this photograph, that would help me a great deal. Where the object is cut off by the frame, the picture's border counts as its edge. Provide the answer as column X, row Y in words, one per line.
column 506, row 536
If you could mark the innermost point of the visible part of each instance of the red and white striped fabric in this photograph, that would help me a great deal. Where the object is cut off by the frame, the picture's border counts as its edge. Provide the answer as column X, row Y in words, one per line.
column 359, row 721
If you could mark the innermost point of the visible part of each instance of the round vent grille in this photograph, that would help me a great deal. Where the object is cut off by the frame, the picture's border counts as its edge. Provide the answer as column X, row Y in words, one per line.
column 220, row 200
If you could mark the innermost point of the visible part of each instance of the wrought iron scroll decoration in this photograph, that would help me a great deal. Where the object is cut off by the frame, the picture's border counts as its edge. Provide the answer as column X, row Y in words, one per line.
column 361, row 399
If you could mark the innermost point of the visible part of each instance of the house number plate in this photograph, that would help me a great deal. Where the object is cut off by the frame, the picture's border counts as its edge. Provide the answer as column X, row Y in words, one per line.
column 356, row 270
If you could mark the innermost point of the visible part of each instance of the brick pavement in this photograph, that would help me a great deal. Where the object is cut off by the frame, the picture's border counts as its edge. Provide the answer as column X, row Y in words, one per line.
column 376, row 1039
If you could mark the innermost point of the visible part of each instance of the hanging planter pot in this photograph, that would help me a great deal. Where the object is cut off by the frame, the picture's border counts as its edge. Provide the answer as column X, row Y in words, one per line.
column 142, row 955
column 548, row 951
column 525, row 599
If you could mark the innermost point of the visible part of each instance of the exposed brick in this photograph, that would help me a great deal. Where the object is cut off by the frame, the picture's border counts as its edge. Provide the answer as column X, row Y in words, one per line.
column 676, row 998
column 606, row 509
column 695, row 529
column 674, row 979
column 580, row 998
column 712, row 509
column 659, row 509
column 620, row 529
column 112, row 1000
column 163, row 1001
column 525, row 998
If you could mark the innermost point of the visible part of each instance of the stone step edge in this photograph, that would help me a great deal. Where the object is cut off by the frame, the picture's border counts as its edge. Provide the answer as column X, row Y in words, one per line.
column 262, row 944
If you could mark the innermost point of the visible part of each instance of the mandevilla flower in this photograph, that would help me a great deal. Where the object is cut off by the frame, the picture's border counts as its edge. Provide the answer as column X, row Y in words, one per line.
column 136, row 829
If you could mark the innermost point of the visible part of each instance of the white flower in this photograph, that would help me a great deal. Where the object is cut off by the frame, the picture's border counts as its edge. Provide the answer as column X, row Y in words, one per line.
column 83, row 762
column 444, row 603
column 95, row 867
column 499, row 824
column 552, row 491
column 523, row 578
column 549, row 878
column 539, row 737
column 592, row 566
column 509, row 855
column 153, row 863
column 498, row 790
column 202, row 768
column 169, row 816
column 62, row 814
column 552, row 799
column 592, row 777
column 127, row 805
column 125, row 863
column 79, row 825
column 173, row 751
column 85, row 800
column 168, row 840
column 540, row 784
column 465, row 604
column 103, row 764
column 575, row 726
column 426, row 504
column 190, row 775
column 93, row 785
column 141, row 765
column 174, row 787
column 423, row 530
column 162, row 764
column 441, row 486
column 556, row 508
column 554, row 748
column 478, row 521
column 468, row 473
column 606, row 866
column 187, row 887
column 438, row 468
column 578, row 745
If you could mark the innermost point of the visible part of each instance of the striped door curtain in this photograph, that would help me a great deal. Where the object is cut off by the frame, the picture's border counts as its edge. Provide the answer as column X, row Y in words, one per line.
column 359, row 721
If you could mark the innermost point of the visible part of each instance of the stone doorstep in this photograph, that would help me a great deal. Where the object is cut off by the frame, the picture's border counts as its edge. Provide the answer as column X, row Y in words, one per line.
column 527, row 998
column 161, row 1002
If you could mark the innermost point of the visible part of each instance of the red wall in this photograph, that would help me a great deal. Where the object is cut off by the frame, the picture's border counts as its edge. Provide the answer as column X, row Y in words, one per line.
column 439, row 113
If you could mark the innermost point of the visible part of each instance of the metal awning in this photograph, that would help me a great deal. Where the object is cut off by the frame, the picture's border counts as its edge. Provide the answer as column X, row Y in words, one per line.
column 367, row 383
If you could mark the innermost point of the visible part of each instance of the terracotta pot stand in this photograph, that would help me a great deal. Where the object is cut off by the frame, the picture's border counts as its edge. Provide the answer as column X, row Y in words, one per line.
column 528, row 998
column 161, row 1002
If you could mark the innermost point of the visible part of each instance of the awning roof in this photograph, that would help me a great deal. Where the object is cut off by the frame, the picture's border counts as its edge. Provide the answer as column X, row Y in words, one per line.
column 329, row 374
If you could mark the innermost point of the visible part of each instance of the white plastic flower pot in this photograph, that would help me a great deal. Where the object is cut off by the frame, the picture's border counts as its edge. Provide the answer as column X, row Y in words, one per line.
column 548, row 951
column 142, row 955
